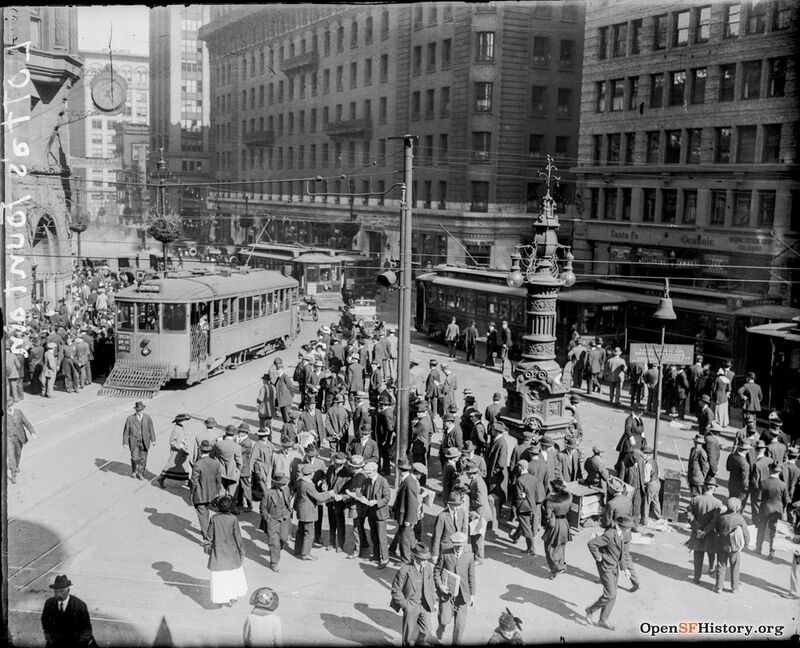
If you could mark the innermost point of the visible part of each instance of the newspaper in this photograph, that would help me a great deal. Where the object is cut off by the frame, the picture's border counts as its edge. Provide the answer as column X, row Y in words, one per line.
column 477, row 526
column 451, row 581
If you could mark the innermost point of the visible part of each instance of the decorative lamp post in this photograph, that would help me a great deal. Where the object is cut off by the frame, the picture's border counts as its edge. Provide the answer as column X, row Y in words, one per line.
column 535, row 397
column 665, row 313
column 163, row 229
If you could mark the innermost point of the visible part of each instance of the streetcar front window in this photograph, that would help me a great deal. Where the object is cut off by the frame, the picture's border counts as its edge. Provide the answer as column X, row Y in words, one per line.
column 125, row 316
column 174, row 317
column 312, row 273
column 148, row 316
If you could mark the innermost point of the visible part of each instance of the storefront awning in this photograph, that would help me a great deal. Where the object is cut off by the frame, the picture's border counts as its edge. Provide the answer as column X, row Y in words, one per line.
column 782, row 330
column 770, row 311
column 587, row 296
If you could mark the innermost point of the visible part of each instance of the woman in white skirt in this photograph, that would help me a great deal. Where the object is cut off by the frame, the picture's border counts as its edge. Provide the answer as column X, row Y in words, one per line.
column 226, row 552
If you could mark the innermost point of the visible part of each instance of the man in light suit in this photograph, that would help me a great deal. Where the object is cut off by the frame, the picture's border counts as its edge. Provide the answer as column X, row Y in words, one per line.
column 229, row 456
column 454, row 605
column 205, row 486
column 414, row 592
column 404, row 510
column 377, row 499
column 138, row 436
column 451, row 520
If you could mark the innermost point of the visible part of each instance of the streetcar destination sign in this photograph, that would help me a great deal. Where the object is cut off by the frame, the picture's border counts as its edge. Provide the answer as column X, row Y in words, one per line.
column 679, row 354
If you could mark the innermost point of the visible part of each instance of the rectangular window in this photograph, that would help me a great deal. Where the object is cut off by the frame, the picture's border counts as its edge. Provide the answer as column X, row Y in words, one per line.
column 326, row 81
column 653, row 147
column 368, row 31
column 384, row 67
column 627, row 200
column 427, row 150
column 483, row 97
column 660, row 32
column 353, row 75
column 602, row 43
column 443, row 147
column 484, row 46
column 447, row 48
column 669, row 205
column 677, row 88
column 620, row 39
column 326, row 44
column 776, row 77
column 680, row 35
column 727, row 82
column 772, row 144
column 733, row 14
column 340, row 78
column 353, row 35
column 699, row 85
column 566, row 54
column 766, row 209
column 444, row 102
column 617, row 94
column 672, row 147
column 597, row 149
column 415, row 105
column 480, row 197
column 689, row 207
column 600, row 96
column 657, row 90
column 610, row 204
column 427, row 194
column 718, row 204
column 636, row 36
column 594, row 202
column 382, row 110
column 703, row 22
column 746, row 144
column 325, row 155
column 340, row 38
column 541, row 51
column 612, row 148
column 782, row 18
column 418, row 16
column 416, row 60
column 312, row 121
column 481, row 146
column 442, row 194
column 384, row 24
column 630, row 147
column 368, row 72
column 649, row 205
column 429, row 104
column 633, row 93
column 757, row 18
column 564, row 101
column 693, row 146
column 562, row 146
column 741, row 208
column 751, row 80
column 722, row 145
column 431, row 67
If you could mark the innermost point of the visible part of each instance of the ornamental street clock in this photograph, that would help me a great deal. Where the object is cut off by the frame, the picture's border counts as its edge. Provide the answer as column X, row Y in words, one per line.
column 109, row 91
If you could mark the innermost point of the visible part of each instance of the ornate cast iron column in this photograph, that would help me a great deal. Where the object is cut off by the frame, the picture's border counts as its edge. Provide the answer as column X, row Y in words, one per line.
column 534, row 395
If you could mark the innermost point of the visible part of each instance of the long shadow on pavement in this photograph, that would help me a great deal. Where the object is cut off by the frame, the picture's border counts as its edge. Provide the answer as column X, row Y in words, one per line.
column 351, row 629
column 172, row 522
column 381, row 576
column 246, row 408
column 521, row 594
column 116, row 467
column 194, row 588
column 380, row 616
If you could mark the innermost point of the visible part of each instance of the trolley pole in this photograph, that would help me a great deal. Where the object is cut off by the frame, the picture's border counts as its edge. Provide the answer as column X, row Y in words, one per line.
column 404, row 337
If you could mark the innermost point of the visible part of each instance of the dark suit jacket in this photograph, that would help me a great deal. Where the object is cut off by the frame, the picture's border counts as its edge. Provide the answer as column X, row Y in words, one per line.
column 443, row 528
column 569, row 466
column 738, row 472
column 227, row 548
column 422, row 430
column 306, row 499
column 528, row 488
column 608, row 550
column 73, row 627
column 276, row 504
column 704, row 419
column 142, row 433
column 369, row 451
column 697, row 466
column 618, row 505
column 632, row 426
column 206, row 480
column 284, row 391
column 538, row 468
column 774, row 497
column 385, row 424
column 406, row 502
column 713, row 450
column 463, row 566
column 379, row 491
column 497, row 466
column 410, row 587
column 724, row 525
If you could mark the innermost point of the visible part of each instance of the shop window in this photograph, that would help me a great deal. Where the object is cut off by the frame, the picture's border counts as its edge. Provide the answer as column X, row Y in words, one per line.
column 772, row 144
column 719, row 200
column 727, row 82
column 689, row 207
column 751, row 80
column 723, row 145
column 766, row 209
column 741, row 208
column 669, row 205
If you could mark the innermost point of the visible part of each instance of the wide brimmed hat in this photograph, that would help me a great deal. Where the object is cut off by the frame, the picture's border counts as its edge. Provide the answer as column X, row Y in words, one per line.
column 421, row 552
column 306, row 469
column 571, row 442
column 230, row 430
column 339, row 398
column 793, row 451
column 266, row 598
column 616, row 484
column 705, row 398
column 356, row 461
column 312, row 450
column 699, row 438
column 180, row 418
column 760, row 444
column 265, row 377
column 384, row 400
column 508, row 622
column 546, row 442
column 458, row 538
column 210, row 421
column 278, row 362
column 370, row 467
column 51, row 345
column 61, row 582
column 205, row 446
column 449, row 416
column 294, row 414
column 224, row 504
column 452, row 453
column 422, row 407
column 281, row 480
column 288, row 440
column 138, row 405
column 339, row 458
column 420, row 468
column 433, row 361
column 710, row 481
column 262, row 432
column 574, row 398
column 404, row 465
column 455, row 498
column 469, row 446
column 471, row 468
column 243, row 427
column 499, row 426
column 452, row 408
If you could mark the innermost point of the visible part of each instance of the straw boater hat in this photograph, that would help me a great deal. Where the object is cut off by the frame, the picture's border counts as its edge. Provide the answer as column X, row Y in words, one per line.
column 356, row 461
column 266, row 598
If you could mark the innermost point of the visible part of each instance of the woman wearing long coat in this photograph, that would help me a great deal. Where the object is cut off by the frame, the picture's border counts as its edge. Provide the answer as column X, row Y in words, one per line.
column 556, row 532
column 266, row 402
column 226, row 552
column 181, row 443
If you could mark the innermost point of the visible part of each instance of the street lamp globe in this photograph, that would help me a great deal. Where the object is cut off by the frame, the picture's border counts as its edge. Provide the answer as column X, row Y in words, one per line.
column 568, row 278
column 515, row 278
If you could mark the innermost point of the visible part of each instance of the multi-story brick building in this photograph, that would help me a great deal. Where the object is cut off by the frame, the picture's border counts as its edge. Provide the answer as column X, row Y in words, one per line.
column 688, row 161
column 94, row 137
column 326, row 91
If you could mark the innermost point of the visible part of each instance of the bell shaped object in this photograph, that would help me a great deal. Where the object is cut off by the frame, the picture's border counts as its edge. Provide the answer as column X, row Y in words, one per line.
column 665, row 310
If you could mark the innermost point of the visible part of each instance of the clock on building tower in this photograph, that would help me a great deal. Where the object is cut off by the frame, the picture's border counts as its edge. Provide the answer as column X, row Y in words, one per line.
column 109, row 91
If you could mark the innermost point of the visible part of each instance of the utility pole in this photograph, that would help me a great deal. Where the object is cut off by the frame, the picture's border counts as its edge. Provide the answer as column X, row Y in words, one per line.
column 404, row 337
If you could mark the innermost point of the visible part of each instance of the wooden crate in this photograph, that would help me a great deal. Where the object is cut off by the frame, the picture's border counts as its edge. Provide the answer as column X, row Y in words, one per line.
column 586, row 502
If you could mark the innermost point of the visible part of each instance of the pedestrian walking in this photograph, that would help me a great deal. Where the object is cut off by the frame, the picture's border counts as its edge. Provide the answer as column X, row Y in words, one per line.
column 595, row 364
column 414, row 593
column 377, row 500
column 262, row 627
column 697, row 466
column 306, row 500
column 738, row 468
column 225, row 555
column 751, row 396
column 720, row 395
column 336, row 479
column 404, row 511
column 20, row 431
column 470, row 341
column 284, row 390
column 180, row 444
column 205, row 487
column 265, row 403
column 454, row 602
column 480, row 513
column 65, row 618
column 556, row 527
column 276, row 518
column 702, row 514
column 772, row 507
column 508, row 630
column 609, row 551
column 49, row 371
column 138, row 435
column 14, row 374
column 759, row 473
column 452, row 519
column 229, row 455
column 616, row 368
column 731, row 537
column 451, row 335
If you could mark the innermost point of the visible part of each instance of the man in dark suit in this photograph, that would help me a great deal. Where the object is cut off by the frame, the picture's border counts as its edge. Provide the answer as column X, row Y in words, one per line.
column 451, row 437
column 497, row 468
column 336, row 480
column 470, row 341
column 276, row 518
column 774, row 500
column 405, row 511
column 705, row 415
column 337, row 424
column 697, row 467
column 713, row 448
column 454, row 605
column 610, row 553
column 377, row 499
column 596, row 471
column 491, row 412
column 229, row 455
column 527, row 489
column 632, row 436
column 138, row 435
column 469, row 455
column 205, row 486
column 451, row 520
column 414, row 592
column 537, row 466
column 358, row 485
column 759, row 473
column 306, row 500
column 65, row 618
column 433, row 384
column 421, row 433
column 385, row 427
column 739, row 473
column 365, row 446
column 702, row 513
column 20, row 431
column 556, row 527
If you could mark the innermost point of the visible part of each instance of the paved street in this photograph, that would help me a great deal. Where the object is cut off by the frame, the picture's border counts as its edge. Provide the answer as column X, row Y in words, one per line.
column 133, row 553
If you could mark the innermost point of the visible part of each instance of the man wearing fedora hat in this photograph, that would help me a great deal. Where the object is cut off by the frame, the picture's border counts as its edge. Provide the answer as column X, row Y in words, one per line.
column 568, row 465
column 610, row 553
column 421, row 433
column 727, row 552
column 480, row 512
column 138, row 435
column 208, row 433
column 405, row 511
column 385, row 426
column 451, row 520
column 337, row 424
column 776, row 449
column 354, row 380
column 469, row 455
column 276, row 518
column 774, row 500
column 759, row 473
column 306, row 500
column 337, row 478
column 181, row 442
column 364, row 445
column 376, row 497
column 414, row 593
column 284, row 388
column 265, row 402
column 453, row 605
column 49, row 370
column 478, row 433
column 205, row 485
column 65, row 618
column 705, row 414
column 362, row 413
column 355, row 491
column 618, row 502
column 449, row 471
column 529, row 493
column 750, row 394
column 738, row 468
column 697, row 466
column 433, row 387
column 229, row 455
column 702, row 513
column 616, row 368
column 20, row 431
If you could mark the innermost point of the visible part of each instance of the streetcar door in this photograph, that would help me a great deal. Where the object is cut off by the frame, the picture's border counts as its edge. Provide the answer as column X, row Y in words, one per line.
column 200, row 333
column 422, row 290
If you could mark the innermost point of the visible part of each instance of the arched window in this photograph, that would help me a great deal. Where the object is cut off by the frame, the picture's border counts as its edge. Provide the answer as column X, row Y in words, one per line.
column 141, row 77
column 45, row 230
column 128, row 74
